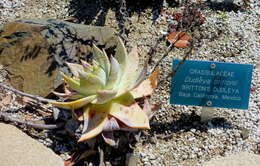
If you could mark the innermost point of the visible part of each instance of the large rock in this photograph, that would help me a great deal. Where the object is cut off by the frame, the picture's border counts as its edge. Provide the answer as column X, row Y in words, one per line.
column 241, row 159
column 33, row 52
column 18, row 149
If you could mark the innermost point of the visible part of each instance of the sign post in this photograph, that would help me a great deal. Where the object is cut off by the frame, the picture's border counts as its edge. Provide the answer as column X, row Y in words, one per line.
column 206, row 114
column 211, row 84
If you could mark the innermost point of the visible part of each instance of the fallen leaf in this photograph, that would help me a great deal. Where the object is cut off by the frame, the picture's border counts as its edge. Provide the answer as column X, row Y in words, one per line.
column 180, row 39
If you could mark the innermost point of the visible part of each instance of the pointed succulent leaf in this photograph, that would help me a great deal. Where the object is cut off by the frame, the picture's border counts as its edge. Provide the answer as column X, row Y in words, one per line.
column 130, row 73
column 106, row 69
column 101, row 58
column 74, row 104
column 126, row 110
column 75, row 68
column 131, row 115
column 88, row 68
column 121, row 54
column 114, row 75
column 71, row 96
column 96, row 120
column 90, row 83
column 61, row 95
column 99, row 72
column 72, row 83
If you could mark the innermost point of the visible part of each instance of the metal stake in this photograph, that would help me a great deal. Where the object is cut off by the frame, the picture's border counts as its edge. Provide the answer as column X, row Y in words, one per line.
column 206, row 114
column 207, row 111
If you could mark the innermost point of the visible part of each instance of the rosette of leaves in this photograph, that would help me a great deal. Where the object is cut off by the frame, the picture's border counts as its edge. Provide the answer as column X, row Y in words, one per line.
column 106, row 90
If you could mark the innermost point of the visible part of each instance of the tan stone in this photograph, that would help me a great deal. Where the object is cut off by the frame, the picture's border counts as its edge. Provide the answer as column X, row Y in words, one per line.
column 240, row 159
column 18, row 149
column 24, row 54
column 34, row 51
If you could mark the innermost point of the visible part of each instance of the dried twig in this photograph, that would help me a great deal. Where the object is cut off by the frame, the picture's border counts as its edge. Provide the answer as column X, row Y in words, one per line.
column 164, row 55
column 37, row 98
column 153, row 50
column 171, row 46
column 180, row 63
column 36, row 105
column 177, row 66
column 8, row 117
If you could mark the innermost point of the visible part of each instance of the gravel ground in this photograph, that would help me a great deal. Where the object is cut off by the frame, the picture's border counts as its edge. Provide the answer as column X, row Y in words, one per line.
column 177, row 136
column 32, row 9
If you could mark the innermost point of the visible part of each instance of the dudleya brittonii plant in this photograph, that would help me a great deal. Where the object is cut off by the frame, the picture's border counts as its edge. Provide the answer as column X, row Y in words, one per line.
column 106, row 91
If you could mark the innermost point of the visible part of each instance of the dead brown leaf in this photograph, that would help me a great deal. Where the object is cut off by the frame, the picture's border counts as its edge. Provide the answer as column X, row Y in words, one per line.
column 147, row 86
column 180, row 39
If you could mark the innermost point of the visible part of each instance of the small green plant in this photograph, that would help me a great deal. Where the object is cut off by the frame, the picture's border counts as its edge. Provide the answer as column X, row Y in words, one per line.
column 106, row 91
column 222, row 15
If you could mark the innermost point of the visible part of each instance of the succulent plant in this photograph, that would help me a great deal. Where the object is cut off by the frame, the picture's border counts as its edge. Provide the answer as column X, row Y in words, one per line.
column 106, row 91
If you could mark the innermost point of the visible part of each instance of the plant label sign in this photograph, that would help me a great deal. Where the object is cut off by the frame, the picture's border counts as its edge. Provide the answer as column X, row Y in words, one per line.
column 212, row 84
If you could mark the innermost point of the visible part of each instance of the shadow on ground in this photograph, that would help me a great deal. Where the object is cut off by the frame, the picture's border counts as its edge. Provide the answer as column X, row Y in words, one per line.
column 86, row 11
column 186, row 122
column 224, row 6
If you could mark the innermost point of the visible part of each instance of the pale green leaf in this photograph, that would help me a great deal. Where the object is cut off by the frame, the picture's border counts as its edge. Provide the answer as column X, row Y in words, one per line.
column 101, row 58
column 121, row 54
column 99, row 72
column 88, row 68
column 104, row 96
column 73, row 84
column 114, row 75
column 131, row 72
column 90, row 83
